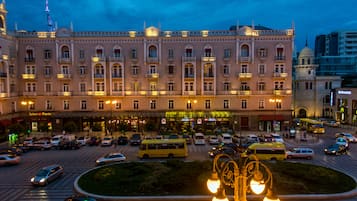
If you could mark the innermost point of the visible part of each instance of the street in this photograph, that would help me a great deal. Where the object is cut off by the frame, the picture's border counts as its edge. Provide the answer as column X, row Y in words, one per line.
column 15, row 180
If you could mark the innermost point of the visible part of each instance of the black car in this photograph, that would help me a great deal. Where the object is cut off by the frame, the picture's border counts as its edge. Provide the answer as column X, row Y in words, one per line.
column 335, row 149
column 135, row 139
column 223, row 150
column 73, row 144
column 123, row 140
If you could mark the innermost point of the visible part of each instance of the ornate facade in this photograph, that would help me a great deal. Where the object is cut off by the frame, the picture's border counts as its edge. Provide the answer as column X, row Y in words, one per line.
column 173, row 80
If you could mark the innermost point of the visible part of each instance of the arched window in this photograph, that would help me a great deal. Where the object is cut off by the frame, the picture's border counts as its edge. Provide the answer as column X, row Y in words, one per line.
column 152, row 51
column 65, row 52
column 244, row 51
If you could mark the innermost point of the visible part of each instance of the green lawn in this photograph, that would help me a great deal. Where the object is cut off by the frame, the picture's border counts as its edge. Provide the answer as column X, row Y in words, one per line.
column 176, row 177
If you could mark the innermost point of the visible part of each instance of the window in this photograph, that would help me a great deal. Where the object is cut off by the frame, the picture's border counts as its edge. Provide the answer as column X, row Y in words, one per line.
column 306, row 85
column 117, row 105
column 226, row 104
column 226, row 86
column 261, row 68
column 48, row 105
column 226, row 69
column 100, row 105
column 136, row 104
column 261, row 86
column 244, row 104
column 29, row 55
column 278, row 104
column 117, row 53
column 66, row 104
column 261, row 104
column 188, row 86
column 47, row 54
column 65, row 87
column 189, row 70
column 11, row 69
column 99, row 71
column 244, row 86
column 82, row 70
column 65, row 52
column 208, row 86
column 99, row 86
column 171, row 69
column 171, row 86
column 188, row 52
column 83, row 104
column 208, row 52
column 65, row 70
column 278, row 85
column 48, row 71
column 189, row 105
column 153, row 86
column 227, row 53
column 99, row 52
column 81, row 54
column 244, row 51
column 208, row 70
column 117, row 86
column 134, row 54
column 82, row 87
column 262, row 52
column 117, row 71
column 153, row 104
column 171, row 104
column 48, row 87
column 153, row 69
column 207, row 104
column 30, row 87
column 30, row 70
column 171, row 53
column 152, row 51
column 244, row 68
column 135, row 70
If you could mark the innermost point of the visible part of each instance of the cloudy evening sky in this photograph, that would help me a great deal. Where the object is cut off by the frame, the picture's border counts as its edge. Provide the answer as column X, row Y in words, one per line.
column 311, row 17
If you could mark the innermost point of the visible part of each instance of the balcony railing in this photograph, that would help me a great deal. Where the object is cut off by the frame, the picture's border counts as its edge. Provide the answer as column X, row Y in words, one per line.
column 189, row 76
column 279, row 58
column 27, row 76
column 64, row 93
column 152, row 59
column 64, row 60
column 3, row 74
column 280, row 75
column 98, row 75
column 244, row 92
column 245, row 75
column 245, row 59
column 153, row 75
column 208, row 58
column 117, row 76
column 282, row 92
column 29, row 59
column 208, row 75
column 63, row 76
column 188, row 59
column 96, row 93
column 116, row 58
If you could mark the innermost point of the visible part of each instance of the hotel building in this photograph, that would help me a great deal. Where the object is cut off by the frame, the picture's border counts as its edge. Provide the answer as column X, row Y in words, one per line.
column 240, row 78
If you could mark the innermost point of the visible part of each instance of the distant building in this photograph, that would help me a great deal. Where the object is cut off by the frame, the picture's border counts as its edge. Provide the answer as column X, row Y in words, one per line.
column 169, row 80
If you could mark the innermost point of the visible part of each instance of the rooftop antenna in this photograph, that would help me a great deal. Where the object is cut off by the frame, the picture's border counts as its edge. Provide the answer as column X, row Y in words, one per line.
column 49, row 20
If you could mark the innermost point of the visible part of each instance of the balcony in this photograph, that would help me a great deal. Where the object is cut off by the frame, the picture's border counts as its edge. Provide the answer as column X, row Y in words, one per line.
column 98, row 75
column 117, row 76
column 153, row 75
column 3, row 94
column 279, row 58
column 98, row 58
column 118, row 58
column 189, row 76
column 282, row 92
column 190, row 93
column 29, row 60
column 26, row 76
column 208, row 75
column 245, row 59
column 280, row 75
column 208, row 58
column 188, row 58
column 244, row 92
column 29, row 93
column 63, row 76
column 245, row 75
column 96, row 93
column 64, row 60
column 152, row 60
column 64, row 93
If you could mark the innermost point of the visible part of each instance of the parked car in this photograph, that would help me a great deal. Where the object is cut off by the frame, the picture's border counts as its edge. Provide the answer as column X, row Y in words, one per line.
column 41, row 145
column 55, row 140
column 225, row 138
column 94, row 141
column 107, row 141
column 123, row 140
column 29, row 141
column 110, row 158
column 277, row 138
column 73, row 144
column 238, row 139
column 188, row 138
column 349, row 137
column 301, row 152
column 213, row 140
column 9, row 159
column 335, row 149
column 83, row 140
column 47, row 174
column 135, row 139
column 223, row 150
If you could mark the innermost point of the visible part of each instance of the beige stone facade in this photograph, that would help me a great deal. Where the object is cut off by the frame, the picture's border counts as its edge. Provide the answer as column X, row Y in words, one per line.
column 240, row 78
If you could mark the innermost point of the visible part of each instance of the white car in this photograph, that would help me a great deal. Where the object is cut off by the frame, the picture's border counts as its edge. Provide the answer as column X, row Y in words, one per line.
column 213, row 140
column 110, row 158
column 300, row 152
column 55, row 140
column 107, row 141
column 83, row 140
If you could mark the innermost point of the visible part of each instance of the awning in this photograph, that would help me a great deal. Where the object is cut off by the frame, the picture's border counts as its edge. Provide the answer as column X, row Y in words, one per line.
column 273, row 117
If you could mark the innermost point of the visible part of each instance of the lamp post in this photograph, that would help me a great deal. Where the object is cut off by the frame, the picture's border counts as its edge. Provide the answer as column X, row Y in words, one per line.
column 27, row 103
column 241, row 177
column 276, row 102
column 112, row 103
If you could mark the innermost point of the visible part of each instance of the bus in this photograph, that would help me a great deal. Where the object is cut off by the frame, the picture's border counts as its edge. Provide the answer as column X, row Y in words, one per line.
column 266, row 151
column 163, row 148
column 312, row 126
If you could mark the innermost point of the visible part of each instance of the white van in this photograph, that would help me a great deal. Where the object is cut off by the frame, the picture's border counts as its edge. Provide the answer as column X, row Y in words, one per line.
column 199, row 139
column 226, row 138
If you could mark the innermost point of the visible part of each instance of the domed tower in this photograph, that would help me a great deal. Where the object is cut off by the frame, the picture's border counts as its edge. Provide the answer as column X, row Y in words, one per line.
column 3, row 13
column 305, row 84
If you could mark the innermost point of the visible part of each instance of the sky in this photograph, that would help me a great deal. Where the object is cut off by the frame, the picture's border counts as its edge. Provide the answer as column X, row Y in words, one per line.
column 309, row 17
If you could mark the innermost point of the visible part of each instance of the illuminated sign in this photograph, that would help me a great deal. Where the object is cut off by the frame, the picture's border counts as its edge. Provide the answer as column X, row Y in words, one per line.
column 344, row 92
column 40, row 114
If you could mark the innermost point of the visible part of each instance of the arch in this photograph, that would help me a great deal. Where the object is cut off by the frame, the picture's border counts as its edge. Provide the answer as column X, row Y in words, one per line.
column 244, row 50
column 302, row 113
column 152, row 50
column 64, row 51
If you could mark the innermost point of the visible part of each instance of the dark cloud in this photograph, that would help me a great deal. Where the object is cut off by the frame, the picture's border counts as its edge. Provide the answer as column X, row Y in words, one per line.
column 310, row 17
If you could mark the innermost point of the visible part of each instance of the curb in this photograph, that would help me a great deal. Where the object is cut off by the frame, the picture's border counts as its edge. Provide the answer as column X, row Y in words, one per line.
column 295, row 197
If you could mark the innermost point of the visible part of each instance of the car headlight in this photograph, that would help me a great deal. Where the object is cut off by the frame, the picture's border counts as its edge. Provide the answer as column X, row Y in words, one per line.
column 32, row 179
column 42, row 180
column 333, row 151
column 325, row 149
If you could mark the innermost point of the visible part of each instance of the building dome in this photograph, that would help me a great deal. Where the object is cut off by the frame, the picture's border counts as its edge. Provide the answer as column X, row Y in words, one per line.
column 306, row 52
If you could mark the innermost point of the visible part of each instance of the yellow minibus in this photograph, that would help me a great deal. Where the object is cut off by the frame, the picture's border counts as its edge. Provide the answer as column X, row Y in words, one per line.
column 163, row 148
column 266, row 151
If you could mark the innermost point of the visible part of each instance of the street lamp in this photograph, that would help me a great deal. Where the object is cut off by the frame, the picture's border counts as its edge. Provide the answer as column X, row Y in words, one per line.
column 28, row 104
column 249, row 174
column 112, row 103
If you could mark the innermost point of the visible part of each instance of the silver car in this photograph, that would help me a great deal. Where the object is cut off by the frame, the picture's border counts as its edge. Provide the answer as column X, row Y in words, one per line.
column 47, row 174
column 111, row 158
column 300, row 152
